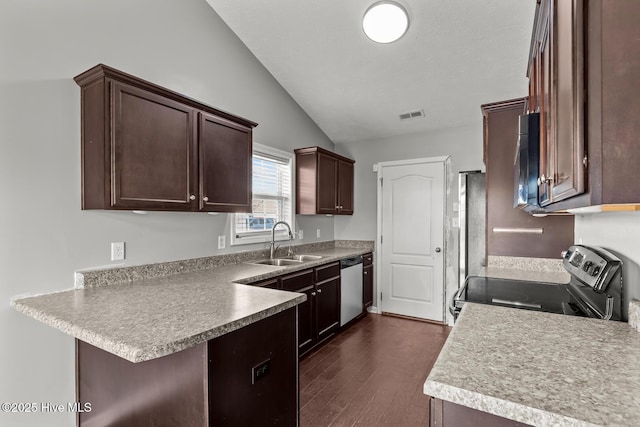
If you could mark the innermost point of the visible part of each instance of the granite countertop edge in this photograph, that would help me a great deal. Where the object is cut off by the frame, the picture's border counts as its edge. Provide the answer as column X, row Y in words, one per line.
column 135, row 354
column 499, row 407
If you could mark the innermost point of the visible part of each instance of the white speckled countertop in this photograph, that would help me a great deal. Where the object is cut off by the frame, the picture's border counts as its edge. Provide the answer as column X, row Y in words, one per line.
column 528, row 275
column 146, row 319
column 540, row 368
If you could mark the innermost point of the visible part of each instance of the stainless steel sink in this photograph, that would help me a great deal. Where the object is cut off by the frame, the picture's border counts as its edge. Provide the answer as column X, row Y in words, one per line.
column 278, row 262
column 303, row 258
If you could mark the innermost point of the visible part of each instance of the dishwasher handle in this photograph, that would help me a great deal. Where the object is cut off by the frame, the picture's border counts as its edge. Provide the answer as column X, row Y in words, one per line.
column 350, row 262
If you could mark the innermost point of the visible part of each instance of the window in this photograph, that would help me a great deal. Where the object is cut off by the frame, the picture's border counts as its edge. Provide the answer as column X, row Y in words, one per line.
column 272, row 198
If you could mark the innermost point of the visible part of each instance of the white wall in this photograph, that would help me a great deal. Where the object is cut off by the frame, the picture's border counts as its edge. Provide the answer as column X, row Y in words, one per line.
column 45, row 237
column 618, row 232
column 463, row 144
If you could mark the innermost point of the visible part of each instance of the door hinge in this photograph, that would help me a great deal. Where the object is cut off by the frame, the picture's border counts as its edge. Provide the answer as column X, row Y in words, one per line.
column 380, row 296
column 585, row 161
column 380, row 239
column 381, row 181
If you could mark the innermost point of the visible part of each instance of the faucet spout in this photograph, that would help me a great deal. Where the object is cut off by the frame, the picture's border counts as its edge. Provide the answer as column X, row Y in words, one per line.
column 273, row 237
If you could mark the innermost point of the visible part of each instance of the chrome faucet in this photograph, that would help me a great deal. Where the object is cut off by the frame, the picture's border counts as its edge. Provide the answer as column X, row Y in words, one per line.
column 273, row 237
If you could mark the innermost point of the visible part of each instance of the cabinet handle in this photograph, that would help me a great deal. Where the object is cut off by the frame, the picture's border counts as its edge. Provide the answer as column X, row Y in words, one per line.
column 313, row 294
column 319, row 291
column 544, row 179
column 192, row 197
column 205, row 199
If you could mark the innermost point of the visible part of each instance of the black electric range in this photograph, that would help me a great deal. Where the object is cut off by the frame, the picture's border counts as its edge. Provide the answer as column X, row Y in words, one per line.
column 594, row 290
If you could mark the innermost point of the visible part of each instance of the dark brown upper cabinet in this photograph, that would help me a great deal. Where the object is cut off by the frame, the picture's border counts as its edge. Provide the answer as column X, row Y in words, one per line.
column 324, row 182
column 148, row 148
column 584, row 66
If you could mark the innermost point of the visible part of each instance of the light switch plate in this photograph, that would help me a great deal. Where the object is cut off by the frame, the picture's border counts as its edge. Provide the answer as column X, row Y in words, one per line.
column 222, row 242
column 318, row 233
column 301, row 234
column 455, row 222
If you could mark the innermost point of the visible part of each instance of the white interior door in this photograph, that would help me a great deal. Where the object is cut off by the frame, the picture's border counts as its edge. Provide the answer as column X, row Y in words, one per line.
column 412, row 234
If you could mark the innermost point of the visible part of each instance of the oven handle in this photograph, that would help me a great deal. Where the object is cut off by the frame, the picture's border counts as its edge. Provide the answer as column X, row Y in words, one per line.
column 452, row 301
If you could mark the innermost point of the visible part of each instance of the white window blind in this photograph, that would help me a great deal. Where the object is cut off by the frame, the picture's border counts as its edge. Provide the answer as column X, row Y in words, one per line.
column 272, row 201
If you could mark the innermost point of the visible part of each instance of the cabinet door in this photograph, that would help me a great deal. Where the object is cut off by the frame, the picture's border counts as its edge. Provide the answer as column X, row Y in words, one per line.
column 567, row 170
column 306, row 332
column 225, row 165
column 153, row 158
column 367, row 283
column 345, row 187
column 327, row 184
column 544, row 101
column 302, row 281
column 327, row 307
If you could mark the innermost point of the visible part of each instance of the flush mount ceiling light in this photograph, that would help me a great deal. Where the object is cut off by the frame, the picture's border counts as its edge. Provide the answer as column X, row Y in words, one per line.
column 385, row 22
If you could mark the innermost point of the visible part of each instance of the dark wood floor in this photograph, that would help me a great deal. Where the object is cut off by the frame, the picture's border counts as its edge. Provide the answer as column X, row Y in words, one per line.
column 371, row 374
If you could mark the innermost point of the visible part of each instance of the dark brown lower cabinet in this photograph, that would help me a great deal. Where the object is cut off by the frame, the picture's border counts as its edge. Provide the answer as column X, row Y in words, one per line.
column 319, row 315
column 327, row 307
column 247, row 377
column 447, row 414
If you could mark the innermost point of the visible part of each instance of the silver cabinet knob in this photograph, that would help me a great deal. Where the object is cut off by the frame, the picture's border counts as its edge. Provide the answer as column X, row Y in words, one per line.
column 365, row 273
column 313, row 294
column 438, row 250
column 319, row 291
column 205, row 199
column 544, row 179
column 192, row 197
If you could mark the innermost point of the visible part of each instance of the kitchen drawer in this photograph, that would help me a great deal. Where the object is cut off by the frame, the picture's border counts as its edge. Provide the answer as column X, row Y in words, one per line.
column 297, row 281
column 273, row 283
column 367, row 259
column 328, row 271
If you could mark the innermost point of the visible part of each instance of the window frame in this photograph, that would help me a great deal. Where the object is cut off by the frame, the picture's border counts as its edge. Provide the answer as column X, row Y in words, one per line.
column 281, row 233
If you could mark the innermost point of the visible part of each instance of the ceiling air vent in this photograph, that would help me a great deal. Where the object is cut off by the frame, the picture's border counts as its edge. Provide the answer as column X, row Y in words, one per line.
column 412, row 115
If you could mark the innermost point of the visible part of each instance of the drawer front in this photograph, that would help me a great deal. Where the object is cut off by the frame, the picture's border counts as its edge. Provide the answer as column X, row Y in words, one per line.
column 328, row 271
column 297, row 281
column 367, row 259
column 268, row 283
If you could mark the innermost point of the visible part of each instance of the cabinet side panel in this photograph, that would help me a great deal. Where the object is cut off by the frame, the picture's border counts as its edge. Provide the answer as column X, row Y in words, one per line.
column 168, row 391
column 94, row 172
column 345, row 187
column 306, row 184
column 240, row 397
column 620, row 100
column 557, row 234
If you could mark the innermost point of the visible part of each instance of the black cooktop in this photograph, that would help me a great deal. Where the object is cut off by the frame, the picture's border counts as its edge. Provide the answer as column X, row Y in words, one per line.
column 540, row 296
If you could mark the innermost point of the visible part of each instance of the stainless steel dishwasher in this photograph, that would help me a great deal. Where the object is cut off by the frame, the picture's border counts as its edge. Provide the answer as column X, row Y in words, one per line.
column 350, row 289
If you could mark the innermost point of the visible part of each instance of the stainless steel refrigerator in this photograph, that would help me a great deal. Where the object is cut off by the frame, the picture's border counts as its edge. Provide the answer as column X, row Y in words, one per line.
column 472, row 216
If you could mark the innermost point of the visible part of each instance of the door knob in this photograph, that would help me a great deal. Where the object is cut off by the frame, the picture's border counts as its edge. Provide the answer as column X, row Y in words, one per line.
column 438, row 250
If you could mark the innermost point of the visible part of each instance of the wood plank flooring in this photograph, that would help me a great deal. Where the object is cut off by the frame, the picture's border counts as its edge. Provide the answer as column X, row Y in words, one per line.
column 371, row 374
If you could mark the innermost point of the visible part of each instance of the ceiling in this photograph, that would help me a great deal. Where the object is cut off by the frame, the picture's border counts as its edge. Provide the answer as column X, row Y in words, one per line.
column 456, row 55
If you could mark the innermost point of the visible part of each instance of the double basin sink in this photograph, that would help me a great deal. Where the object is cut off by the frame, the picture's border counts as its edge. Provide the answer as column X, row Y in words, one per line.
column 288, row 260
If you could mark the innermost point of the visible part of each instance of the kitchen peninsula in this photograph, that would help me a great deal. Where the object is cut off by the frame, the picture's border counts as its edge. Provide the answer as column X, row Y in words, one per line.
column 537, row 369
column 186, row 341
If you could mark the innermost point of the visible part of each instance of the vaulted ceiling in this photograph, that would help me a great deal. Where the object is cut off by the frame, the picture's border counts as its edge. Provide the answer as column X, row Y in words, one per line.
column 456, row 55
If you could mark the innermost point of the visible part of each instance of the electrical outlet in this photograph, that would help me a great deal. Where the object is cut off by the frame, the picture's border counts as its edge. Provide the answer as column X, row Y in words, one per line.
column 117, row 251
column 222, row 242
column 318, row 233
column 455, row 222
column 301, row 234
